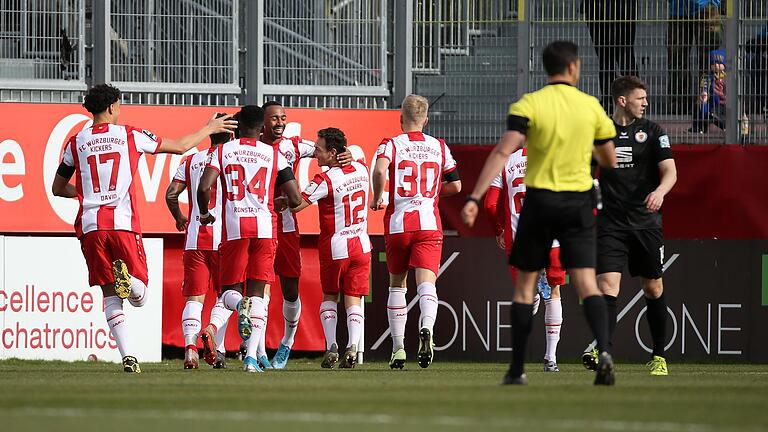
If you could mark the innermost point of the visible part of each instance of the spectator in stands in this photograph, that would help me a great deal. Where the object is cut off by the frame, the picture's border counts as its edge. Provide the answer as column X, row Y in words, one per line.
column 711, row 103
column 692, row 23
column 612, row 25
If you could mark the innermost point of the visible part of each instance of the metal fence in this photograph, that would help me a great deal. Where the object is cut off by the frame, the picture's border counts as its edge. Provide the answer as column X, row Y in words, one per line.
column 42, row 44
column 465, row 61
column 175, row 44
column 471, row 58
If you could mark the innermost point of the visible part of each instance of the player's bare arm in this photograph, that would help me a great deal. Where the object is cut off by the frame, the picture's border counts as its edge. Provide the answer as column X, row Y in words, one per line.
column 204, row 193
column 668, row 178
column 304, row 204
column 450, row 188
column 509, row 143
column 379, row 178
column 605, row 154
column 61, row 186
column 291, row 190
column 172, row 201
column 215, row 125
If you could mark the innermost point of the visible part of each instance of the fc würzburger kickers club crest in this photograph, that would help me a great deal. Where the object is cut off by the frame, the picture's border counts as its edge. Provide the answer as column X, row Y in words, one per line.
column 641, row 136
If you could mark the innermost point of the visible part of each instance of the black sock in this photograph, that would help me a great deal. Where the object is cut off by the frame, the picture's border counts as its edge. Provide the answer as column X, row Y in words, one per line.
column 610, row 304
column 597, row 317
column 522, row 321
column 657, row 323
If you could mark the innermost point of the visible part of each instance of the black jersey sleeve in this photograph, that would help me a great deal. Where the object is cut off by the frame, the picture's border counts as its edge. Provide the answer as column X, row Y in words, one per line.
column 662, row 148
column 283, row 176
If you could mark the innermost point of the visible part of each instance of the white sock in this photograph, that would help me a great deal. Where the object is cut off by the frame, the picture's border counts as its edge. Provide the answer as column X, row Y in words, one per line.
column 262, row 348
column 553, row 319
column 113, row 311
column 397, row 315
column 328, row 318
column 139, row 292
column 258, row 311
column 291, row 315
column 355, row 322
column 427, row 304
column 231, row 299
column 221, row 332
column 190, row 322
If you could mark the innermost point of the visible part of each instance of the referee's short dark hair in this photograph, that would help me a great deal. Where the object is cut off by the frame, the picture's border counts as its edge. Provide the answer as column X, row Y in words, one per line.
column 558, row 55
column 624, row 85
column 334, row 139
column 100, row 97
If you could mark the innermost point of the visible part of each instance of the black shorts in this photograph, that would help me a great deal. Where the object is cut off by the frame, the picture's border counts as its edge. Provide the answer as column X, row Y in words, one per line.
column 568, row 217
column 642, row 249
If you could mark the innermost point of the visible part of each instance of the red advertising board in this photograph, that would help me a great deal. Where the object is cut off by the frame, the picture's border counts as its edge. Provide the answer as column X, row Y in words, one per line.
column 32, row 137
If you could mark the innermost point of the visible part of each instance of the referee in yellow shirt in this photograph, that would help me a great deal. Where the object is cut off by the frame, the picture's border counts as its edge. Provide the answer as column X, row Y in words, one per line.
column 562, row 126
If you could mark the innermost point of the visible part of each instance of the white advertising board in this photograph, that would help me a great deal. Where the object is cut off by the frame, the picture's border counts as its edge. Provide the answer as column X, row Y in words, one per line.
column 48, row 311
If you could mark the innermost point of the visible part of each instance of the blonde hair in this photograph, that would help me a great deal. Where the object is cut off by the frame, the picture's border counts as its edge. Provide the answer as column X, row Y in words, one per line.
column 414, row 109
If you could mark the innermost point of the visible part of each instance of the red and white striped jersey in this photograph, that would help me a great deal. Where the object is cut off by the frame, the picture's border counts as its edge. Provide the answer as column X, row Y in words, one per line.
column 293, row 149
column 510, row 181
column 200, row 237
column 417, row 165
column 341, row 194
column 248, row 170
column 105, row 157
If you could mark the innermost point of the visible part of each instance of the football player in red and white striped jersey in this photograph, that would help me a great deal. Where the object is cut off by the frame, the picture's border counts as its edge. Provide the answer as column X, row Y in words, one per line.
column 344, row 248
column 508, row 190
column 288, row 257
column 201, row 259
column 421, row 170
column 104, row 158
column 249, row 170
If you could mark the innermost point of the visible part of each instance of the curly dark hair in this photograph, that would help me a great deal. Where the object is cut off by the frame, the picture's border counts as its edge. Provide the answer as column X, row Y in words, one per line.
column 100, row 97
column 334, row 139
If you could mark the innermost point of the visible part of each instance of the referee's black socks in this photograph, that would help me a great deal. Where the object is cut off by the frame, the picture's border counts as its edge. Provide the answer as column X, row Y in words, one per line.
column 597, row 316
column 522, row 322
column 610, row 304
column 657, row 323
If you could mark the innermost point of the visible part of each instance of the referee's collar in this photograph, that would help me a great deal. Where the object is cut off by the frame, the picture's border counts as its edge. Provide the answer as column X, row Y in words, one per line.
column 560, row 82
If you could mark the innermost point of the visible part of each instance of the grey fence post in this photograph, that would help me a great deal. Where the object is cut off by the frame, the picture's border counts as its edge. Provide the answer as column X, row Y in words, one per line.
column 102, row 41
column 403, row 77
column 523, row 47
column 254, row 52
column 733, row 103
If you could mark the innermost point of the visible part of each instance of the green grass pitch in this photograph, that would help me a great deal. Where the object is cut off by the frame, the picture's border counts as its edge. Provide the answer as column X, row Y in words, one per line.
column 448, row 396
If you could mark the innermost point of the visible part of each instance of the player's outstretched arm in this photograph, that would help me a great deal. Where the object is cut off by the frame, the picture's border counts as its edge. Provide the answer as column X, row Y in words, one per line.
column 509, row 143
column 172, row 201
column 605, row 154
column 204, row 193
column 378, row 179
column 61, row 186
column 215, row 125
column 668, row 178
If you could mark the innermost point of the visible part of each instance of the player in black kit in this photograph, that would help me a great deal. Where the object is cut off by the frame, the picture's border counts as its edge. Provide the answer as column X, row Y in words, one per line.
column 629, row 225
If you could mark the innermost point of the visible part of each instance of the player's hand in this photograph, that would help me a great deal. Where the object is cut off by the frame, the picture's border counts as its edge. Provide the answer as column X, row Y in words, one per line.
column 281, row 203
column 208, row 219
column 223, row 124
column 469, row 213
column 344, row 158
column 377, row 204
column 181, row 223
column 654, row 200
column 500, row 241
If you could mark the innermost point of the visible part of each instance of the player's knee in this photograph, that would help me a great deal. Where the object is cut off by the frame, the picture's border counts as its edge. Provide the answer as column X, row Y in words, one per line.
column 653, row 288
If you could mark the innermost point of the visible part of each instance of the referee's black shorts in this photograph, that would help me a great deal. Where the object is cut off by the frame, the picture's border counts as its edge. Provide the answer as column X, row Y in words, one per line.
column 642, row 249
column 568, row 217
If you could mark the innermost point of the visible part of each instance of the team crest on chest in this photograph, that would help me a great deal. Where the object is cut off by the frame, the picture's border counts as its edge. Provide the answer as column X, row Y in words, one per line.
column 641, row 136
